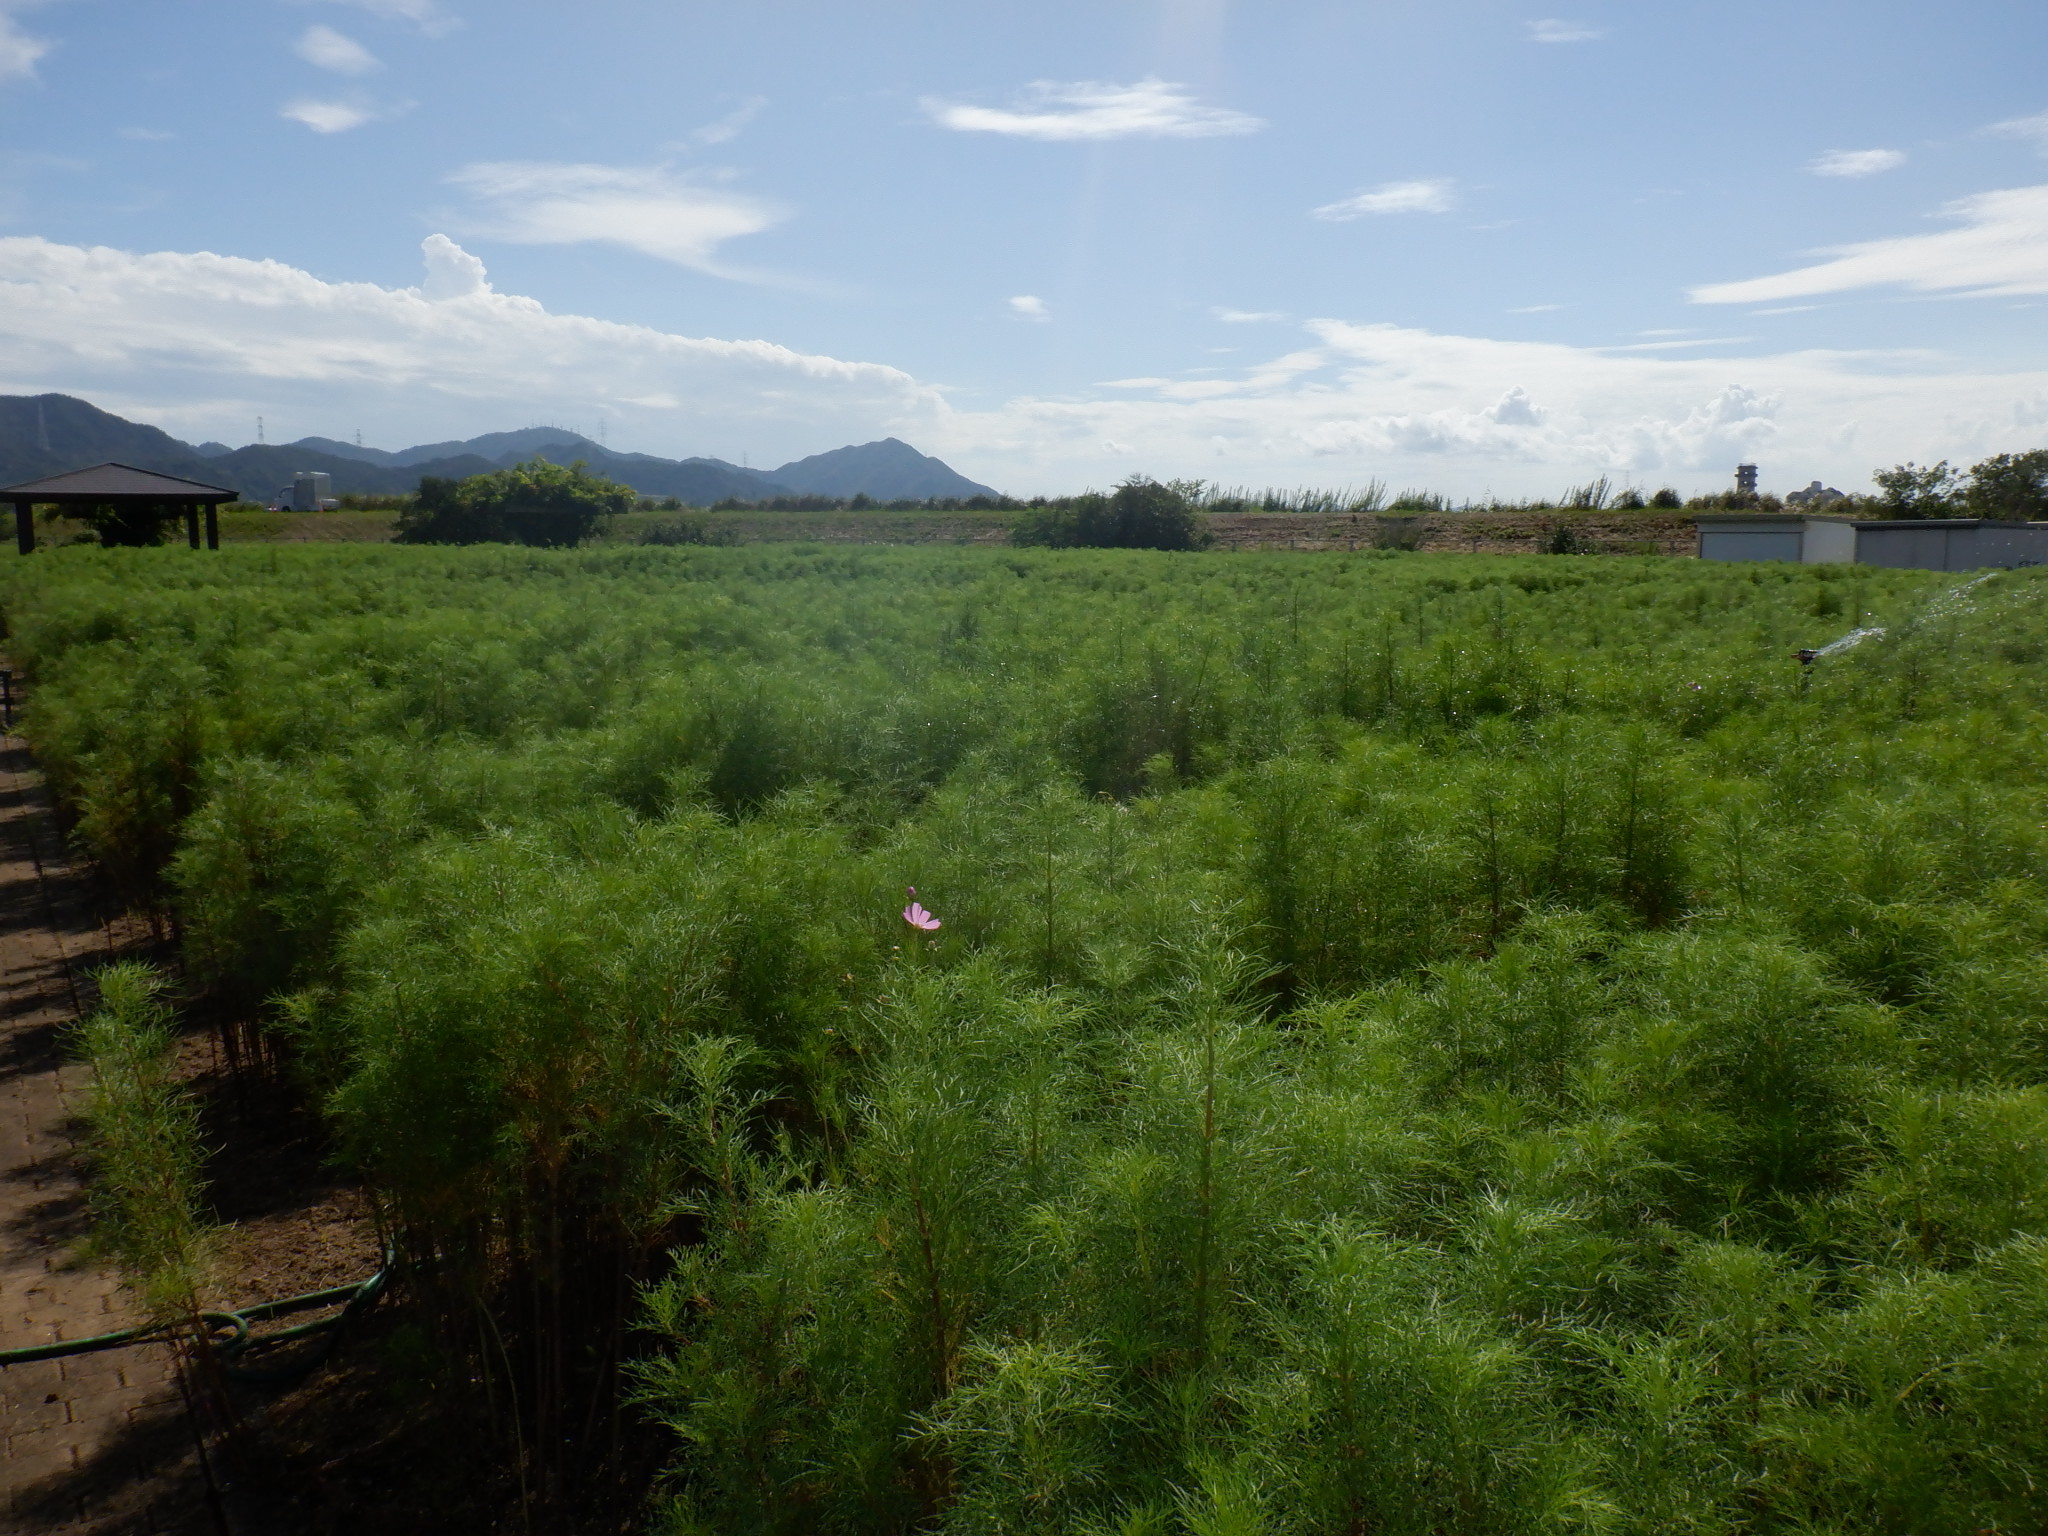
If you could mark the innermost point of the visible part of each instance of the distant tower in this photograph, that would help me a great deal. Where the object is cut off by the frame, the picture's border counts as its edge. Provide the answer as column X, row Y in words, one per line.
column 259, row 429
column 1745, row 479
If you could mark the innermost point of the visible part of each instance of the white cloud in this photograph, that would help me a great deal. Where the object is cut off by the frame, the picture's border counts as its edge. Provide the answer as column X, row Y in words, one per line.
column 427, row 15
column 1514, row 409
column 200, row 343
column 1461, row 414
column 727, row 128
column 18, row 51
column 1097, row 109
column 1030, row 306
column 2001, row 249
column 452, row 273
column 329, row 116
column 1555, row 30
column 1857, row 162
column 2035, row 128
column 646, row 209
column 1535, row 309
column 1668, row 346
column 1246, row 316
column 326, row 48
column 1393, row 197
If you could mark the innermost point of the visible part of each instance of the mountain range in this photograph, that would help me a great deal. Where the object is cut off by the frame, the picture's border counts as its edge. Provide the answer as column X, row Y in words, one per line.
column 49, row 434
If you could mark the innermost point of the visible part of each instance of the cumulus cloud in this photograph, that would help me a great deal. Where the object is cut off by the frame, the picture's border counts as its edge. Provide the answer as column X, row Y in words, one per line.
column 1097, row 109
column 1553, row 29
column 646, row 209
column 1246, row 316
column 1514, row 409
column 2001, row 248
column 326, row 48
column 1030, row 306
column 452, row 273
column 18, row 50
column 1462, row 413
column 1393, row 197
column 199, row 343
column 1857, row 162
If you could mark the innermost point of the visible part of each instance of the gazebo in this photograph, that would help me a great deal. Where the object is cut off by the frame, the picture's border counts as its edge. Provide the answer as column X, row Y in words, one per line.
column 119, row 485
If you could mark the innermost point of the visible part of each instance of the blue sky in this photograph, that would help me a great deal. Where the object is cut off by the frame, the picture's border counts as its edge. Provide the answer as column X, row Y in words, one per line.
column 1474, row 246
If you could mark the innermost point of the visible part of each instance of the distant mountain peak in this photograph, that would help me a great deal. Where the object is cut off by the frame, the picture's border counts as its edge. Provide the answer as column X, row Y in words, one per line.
column 888, row 470
column 48, row 434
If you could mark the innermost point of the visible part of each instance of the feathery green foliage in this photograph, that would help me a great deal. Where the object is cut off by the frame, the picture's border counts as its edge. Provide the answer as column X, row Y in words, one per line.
column 1415, row 1044
column 145, row 1146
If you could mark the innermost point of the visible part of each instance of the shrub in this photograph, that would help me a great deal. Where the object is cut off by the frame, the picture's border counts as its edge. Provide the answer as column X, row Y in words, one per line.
column 536, row 503
column 1140, row 514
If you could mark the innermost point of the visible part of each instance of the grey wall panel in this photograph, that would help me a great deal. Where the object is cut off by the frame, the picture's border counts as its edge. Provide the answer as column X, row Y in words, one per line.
column 1828, row 542
column 1907, row 547
column 1727, row 544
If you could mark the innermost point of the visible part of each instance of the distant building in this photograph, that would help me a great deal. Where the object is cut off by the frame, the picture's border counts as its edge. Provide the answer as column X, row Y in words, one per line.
column 1815, row 495
column 1930, row 544
column 1776, row 536
column 1745, row 479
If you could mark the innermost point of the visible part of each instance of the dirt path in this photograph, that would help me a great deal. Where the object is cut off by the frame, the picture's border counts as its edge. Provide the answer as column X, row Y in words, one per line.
column 87, row 1439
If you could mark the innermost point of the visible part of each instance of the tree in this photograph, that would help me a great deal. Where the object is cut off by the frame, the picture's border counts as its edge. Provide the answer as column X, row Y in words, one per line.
column 1919, row 491
column 2012, row 487
column 536, row 503
column 1141, row 514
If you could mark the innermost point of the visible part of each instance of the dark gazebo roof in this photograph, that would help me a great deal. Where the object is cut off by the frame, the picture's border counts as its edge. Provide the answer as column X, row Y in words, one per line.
column 116, row 482
column 117, row 485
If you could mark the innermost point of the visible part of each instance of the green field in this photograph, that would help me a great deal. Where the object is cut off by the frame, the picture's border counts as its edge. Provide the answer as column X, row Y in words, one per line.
column 1416, row 1043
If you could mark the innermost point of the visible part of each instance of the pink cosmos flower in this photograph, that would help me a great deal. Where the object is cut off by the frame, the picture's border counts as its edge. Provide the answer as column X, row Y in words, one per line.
column 916, row 915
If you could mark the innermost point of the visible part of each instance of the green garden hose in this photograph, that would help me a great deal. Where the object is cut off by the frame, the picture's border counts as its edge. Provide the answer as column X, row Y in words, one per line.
column 242, row 1340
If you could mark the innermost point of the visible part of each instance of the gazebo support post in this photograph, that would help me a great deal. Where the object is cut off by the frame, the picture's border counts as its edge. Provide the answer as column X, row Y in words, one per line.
column 25, row 526
column 212, row 525
column 192, row 523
